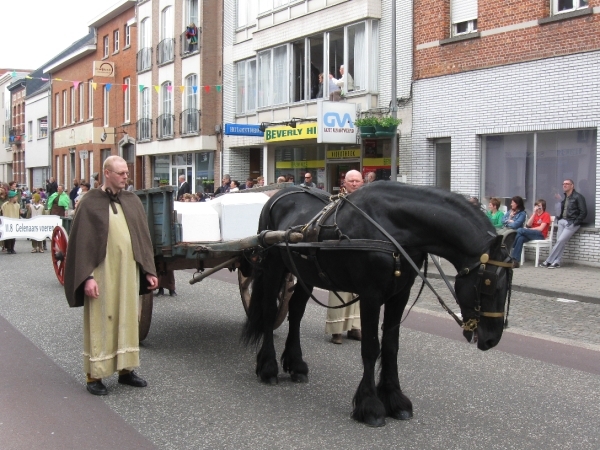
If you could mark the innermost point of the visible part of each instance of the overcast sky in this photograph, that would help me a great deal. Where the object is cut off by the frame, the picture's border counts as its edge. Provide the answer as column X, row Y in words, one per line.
column 34, row 31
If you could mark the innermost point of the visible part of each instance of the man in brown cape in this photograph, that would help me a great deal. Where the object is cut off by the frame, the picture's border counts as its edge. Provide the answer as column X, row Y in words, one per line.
column 110, row 262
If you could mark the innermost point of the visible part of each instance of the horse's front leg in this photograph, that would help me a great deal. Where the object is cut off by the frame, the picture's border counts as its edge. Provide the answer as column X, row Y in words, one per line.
column 291, row 359
column 368, row 408
column 397, row 405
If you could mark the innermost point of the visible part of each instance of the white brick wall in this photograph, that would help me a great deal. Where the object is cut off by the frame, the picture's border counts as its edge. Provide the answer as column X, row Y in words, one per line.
column 548, row 94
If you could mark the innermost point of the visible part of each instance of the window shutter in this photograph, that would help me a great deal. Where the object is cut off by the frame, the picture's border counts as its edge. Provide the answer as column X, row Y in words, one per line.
column 463, row 10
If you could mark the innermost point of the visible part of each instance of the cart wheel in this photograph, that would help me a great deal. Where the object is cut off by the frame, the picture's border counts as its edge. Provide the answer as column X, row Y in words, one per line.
column 145, row 314
column 58, row 248
column 283, row 298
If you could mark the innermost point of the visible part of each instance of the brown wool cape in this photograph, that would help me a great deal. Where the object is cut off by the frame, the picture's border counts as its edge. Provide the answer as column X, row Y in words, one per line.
column 89, row 235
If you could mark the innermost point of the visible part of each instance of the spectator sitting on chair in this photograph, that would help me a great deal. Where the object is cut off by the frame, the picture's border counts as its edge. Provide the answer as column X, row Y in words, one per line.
column 536, row 229
column 493, row 212
column 573, row 211
column 515, row 216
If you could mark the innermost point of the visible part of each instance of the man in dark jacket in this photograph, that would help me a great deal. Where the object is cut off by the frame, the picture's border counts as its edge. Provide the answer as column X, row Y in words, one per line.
column 74, row 193
column 225, row 185
column 572, row 213
column 51, row 186
column 184, row 188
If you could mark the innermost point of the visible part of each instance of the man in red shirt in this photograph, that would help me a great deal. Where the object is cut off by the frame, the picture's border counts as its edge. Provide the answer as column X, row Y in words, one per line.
column 536, row 228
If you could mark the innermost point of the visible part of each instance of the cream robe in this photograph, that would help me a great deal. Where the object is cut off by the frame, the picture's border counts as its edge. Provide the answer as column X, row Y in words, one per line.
column 110, row 322
column 342, row 319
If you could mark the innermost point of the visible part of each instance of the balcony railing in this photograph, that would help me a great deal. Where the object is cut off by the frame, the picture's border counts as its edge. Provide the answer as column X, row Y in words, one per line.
column 144, row 129
column 187, row 48
column 189, row 122
column 164, row 126
column 165, row 51
column 144, row 59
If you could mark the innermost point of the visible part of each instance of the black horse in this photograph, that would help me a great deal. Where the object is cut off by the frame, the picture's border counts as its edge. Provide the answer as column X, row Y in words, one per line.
column 422, row 220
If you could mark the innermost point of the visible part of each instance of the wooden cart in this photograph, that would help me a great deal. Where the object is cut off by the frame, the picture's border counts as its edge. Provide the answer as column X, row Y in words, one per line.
column 171, row 253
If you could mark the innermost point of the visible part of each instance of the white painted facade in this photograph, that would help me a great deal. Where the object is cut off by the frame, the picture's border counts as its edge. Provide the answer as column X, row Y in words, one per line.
column 524, row 99
column 37, row 156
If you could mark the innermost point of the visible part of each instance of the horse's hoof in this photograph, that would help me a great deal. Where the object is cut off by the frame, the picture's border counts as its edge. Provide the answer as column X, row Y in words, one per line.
column 270, row 381
column 402, row 415
column 375, row 422
column 299, row 377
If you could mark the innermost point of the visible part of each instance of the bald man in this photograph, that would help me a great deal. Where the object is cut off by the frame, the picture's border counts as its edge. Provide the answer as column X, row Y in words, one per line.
column 348, row 318
column 110, row 263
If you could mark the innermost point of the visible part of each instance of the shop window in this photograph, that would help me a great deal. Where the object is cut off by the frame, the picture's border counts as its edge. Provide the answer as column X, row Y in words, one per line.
column 161, row 168
column 520, row 164
column 295, row 162
column 205, row 175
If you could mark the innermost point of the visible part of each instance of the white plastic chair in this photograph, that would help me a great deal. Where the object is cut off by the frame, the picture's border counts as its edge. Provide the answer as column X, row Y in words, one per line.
column 537, row 244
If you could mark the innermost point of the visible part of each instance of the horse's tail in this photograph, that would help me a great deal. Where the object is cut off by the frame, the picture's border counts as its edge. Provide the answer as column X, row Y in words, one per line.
column 253, row 330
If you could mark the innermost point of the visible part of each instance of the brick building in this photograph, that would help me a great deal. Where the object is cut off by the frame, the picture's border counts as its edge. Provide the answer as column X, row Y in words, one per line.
column 506, row 102
column 17, row 130
column 179, row 65
column 94, row 99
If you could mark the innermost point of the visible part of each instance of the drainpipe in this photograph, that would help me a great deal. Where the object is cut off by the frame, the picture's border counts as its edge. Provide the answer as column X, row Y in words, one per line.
column 394, row 159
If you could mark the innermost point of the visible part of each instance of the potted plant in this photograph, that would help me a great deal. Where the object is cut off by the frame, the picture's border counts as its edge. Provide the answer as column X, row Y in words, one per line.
column 366, row 125
column 386, row 126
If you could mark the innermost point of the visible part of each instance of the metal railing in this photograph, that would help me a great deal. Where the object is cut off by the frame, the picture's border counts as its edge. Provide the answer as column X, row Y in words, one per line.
column 164, row 126
column 189, row 122
column 144, row 59
column 165, row 51
column 144, row 129
column 187, row 48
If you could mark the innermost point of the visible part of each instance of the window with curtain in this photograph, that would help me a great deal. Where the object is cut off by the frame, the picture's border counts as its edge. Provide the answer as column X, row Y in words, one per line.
column 72, row 94
column 145, row 33
column 280, row 75
column 190, row 100
column 81, row 102
column 166, row 23
column 264, row 78
column 145, row 112
column 240, row 104
column 357, row 56
column 167, row 98
column 463, row 14
column 191, row 12
column 534, row 165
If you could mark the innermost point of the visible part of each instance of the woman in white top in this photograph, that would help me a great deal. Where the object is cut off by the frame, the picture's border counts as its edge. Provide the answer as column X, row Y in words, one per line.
column 36, row 209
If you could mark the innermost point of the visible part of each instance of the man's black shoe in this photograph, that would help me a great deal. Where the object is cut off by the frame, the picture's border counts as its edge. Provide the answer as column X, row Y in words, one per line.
column 132, row 380
column 172, row 293
column 160, row 292
column 554, row 266
column 545, row 264
column 97, row 388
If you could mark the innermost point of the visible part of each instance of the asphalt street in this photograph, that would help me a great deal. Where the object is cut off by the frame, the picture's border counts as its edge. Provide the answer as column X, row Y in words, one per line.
column 538, row 389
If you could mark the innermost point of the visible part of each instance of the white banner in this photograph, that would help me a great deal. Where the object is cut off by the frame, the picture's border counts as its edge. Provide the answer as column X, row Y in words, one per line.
column 335, row 122
column 38, row 228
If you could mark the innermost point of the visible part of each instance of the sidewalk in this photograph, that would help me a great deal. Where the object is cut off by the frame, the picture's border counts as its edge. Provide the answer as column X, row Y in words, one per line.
column 572, row 282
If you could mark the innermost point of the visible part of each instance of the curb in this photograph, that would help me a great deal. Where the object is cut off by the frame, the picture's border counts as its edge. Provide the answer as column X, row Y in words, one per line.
column 537, row 291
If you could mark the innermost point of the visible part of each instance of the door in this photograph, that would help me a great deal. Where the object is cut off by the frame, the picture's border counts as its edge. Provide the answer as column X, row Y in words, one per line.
column 336, row 172
column 442, row 164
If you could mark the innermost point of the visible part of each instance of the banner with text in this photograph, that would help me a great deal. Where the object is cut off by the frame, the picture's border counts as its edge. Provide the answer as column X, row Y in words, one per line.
column 335, row 121
column 38, row 228
column 285, row 133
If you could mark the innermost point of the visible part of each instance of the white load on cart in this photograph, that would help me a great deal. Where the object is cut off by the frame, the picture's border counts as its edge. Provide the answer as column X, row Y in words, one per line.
column 226, row 218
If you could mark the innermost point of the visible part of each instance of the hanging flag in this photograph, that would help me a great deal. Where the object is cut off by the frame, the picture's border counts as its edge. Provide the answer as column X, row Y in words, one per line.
column 44, row 79
column 124, row 86
column 94, row 85
column 108, row 86
column 181, row 89
column 207, row 88
column 169, row 88
column 58, row 79
column 219, row 87
column 76, row 84
column 195, row 89
column 157, row 88
column 13, row 74
column 28, row 77
column 141, row 87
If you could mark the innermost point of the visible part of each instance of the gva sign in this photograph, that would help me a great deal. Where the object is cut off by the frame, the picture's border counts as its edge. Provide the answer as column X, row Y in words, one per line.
column 331, row 119
column 336, row 122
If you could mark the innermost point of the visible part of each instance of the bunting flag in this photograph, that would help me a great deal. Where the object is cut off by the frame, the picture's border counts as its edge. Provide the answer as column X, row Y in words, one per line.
column 124, row 87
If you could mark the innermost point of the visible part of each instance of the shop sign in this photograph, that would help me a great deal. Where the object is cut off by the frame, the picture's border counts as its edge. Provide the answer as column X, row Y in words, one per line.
column 285, row 133
column 243, row 129
column 104, row 69
column 38, row 228
column 299, row 164
column 343, row 154
column 335, row 121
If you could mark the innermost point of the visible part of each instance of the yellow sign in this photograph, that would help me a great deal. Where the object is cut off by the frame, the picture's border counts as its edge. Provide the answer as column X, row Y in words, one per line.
column 285, row 133
column 312, row 164
column 343, row 154
column 377, row 162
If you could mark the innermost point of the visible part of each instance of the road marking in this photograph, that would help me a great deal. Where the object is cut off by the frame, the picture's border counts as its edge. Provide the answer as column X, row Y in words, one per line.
column 566, row 300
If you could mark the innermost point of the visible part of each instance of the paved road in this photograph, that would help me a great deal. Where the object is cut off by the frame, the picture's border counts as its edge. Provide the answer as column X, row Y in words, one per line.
column 538, row 389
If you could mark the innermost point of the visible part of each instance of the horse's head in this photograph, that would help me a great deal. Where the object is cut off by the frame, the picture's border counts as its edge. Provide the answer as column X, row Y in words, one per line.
column 482, row 291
